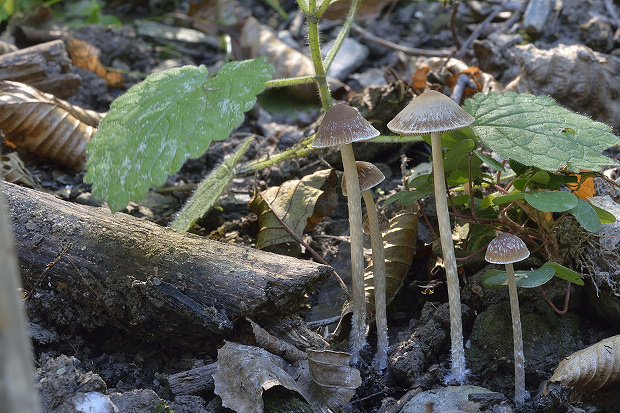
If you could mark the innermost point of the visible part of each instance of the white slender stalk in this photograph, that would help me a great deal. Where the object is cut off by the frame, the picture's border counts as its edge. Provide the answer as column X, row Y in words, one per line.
column 517, row 337
column 357, row 338
column 458, row 371
column 378, row 269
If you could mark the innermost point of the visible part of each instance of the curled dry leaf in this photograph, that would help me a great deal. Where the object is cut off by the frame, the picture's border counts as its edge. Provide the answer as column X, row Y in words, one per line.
column 334, row 379
column 299, row 203
column 399, row 243
column 49, row 127
column 14, row 170
column 86, row 56
column 245, row 372
column 275, row 345
column 575, row 76
column 590, row 369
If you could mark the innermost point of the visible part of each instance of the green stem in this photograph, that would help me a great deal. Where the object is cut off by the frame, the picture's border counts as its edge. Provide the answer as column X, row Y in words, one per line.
column 317, row 60
column 344, row 32
column 291, row 81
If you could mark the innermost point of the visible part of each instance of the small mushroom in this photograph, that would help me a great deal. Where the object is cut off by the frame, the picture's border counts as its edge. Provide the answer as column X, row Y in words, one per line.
column 433, row 112
column 507, row 249
column 369, row 177
column 341, row 126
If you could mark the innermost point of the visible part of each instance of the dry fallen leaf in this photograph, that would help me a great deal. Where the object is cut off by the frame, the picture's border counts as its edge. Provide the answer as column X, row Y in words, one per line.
column 335, row 380
column 245, row 372
column 86, row 56
column 42, row 124
column 14, row 170
column 590, row 369
column 300, row 203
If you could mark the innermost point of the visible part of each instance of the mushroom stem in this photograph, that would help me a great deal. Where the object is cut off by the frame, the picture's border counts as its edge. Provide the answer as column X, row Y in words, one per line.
column 357, row 337
column 458, row 370
column 517, row 337
column 378, row 270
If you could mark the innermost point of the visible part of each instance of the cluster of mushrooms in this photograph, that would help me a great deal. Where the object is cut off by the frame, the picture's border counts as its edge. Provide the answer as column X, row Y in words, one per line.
column 430, row 113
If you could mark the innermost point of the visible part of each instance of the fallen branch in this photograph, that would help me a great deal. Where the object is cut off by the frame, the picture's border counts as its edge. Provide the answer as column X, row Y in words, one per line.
column 153, row 282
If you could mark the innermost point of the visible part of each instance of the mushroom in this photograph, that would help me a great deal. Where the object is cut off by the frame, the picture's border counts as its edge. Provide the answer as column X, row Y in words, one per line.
column 369, row 177
column 341, row 126
column 507, row 249
column 433, row 112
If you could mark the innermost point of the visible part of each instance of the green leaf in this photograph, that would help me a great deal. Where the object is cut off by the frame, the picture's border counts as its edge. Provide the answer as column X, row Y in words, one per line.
column 535, row 131
column 495, row 279
column 209, row 190
column 504, row 199
column 565, row 273
column 490, row 161
column 552, row 201
column 171, row 116
column 606, row 217
column 409, row 197
column 586, row 216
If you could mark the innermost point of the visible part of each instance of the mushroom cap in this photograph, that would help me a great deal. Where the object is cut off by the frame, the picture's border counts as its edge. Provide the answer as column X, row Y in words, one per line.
column 506, row 249
column 368, row 174
column 341, row 125
column 432, row 111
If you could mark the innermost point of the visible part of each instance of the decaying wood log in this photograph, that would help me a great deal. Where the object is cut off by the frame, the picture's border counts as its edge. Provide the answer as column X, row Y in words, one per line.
column 46, row 67
column 195, row 381
column 84, row 266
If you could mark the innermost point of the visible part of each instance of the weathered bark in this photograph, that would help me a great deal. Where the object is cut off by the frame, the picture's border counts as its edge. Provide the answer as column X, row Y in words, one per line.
column 154, row 282
column 195, row 381
column 46, row 67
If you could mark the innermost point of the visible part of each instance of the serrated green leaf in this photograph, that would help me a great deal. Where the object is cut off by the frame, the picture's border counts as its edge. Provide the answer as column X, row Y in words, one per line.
column 551, row 201
column 535, row 131
column 494, row 279
column 209, row 190
column 171, row 116
column 586, row 216
column 565, row 273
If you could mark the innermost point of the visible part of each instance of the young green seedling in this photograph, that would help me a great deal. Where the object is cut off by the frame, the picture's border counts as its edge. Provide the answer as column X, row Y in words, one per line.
column 433, row 112
column 369, row 177
column 507, row 249
column 341, row 126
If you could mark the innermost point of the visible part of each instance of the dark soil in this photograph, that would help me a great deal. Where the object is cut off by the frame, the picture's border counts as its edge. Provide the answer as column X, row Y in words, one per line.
column 113, row 362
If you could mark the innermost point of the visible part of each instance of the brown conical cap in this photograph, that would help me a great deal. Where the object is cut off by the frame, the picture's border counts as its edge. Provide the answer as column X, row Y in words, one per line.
column 432, row 111
column 341, row 125
column 506, row 249
column 369, row 176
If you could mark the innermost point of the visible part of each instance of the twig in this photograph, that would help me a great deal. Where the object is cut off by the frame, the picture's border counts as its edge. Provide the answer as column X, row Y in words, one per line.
column 566, row 299
column 48, row 267
column 612, row 12
column 455, row 37
column 413, row 51
column 474, row 35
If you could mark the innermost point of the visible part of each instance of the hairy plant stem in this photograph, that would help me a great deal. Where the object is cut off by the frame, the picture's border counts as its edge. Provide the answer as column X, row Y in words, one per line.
column 291, row 81
column 458, row 370
column 357, row 338
column 517, row 337
column 378, row 271
column 344, row 32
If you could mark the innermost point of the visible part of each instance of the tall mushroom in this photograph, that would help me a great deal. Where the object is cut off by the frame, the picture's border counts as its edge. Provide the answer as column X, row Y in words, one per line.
column 433, row 112
column 508, row 249
column 369, row 177
column 341, row 126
